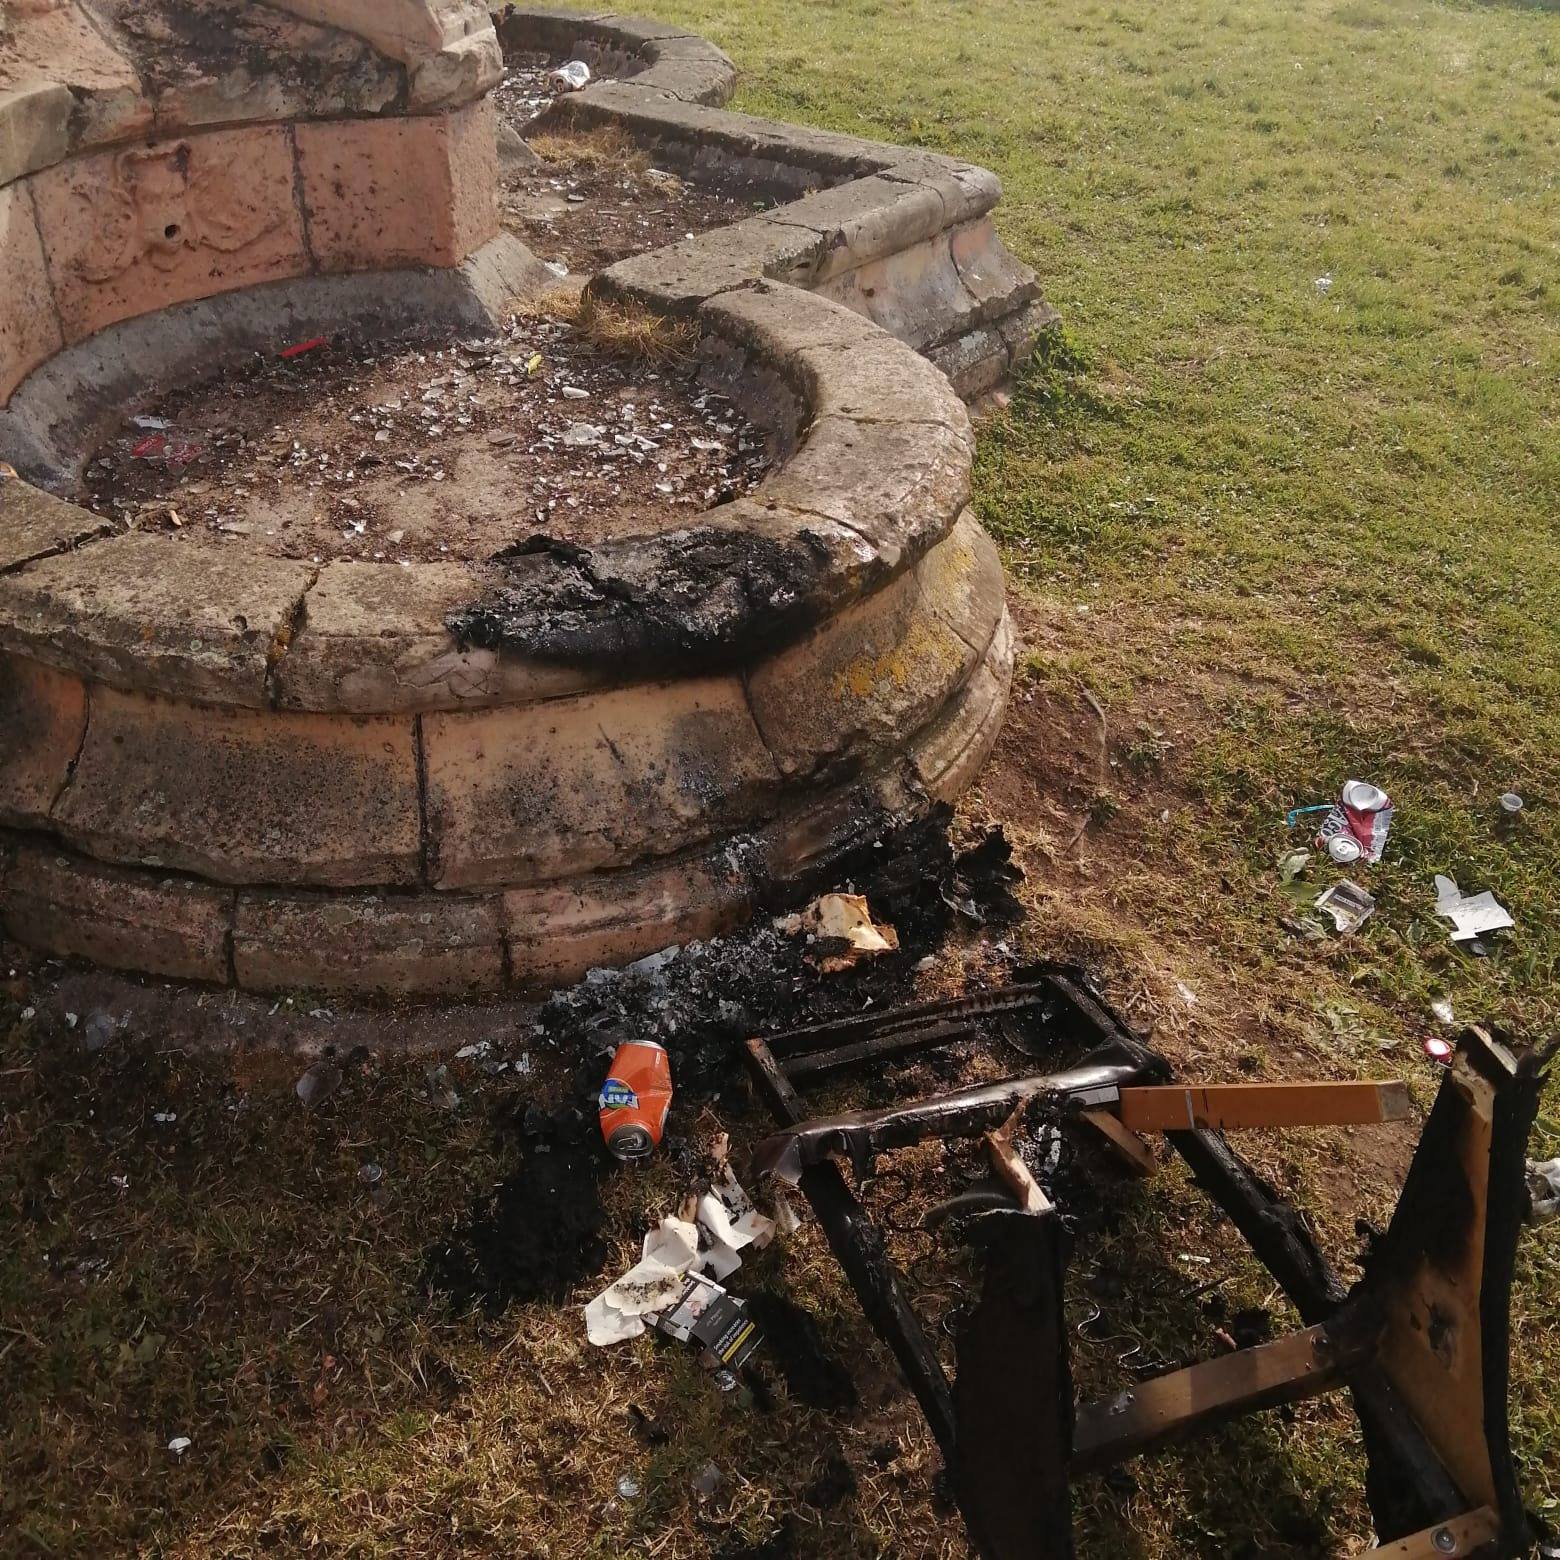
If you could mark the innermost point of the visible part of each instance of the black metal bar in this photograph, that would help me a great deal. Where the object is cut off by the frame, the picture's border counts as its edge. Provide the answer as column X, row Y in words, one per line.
column 812, row 1064
column 962, row 1113
column 839, row 1031
column 858, row 1245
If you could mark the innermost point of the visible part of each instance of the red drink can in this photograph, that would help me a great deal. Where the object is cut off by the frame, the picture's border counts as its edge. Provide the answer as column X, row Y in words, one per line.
column 635, row 1099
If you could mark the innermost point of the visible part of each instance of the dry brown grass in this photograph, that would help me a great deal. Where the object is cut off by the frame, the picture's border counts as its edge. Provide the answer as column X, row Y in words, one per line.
column 618, row 328
column 603, row 149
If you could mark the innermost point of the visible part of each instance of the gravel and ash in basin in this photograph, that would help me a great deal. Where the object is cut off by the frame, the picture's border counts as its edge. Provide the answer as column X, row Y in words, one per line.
column 414, row 452
column 581, row 201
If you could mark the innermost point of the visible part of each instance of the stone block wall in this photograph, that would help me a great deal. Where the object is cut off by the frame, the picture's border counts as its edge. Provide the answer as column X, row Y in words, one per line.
column 146, row 162
column 278, row 776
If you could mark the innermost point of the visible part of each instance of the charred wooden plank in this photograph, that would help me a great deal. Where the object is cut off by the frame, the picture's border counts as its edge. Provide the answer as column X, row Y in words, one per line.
column 1172, row 1407
column 1013, row 1392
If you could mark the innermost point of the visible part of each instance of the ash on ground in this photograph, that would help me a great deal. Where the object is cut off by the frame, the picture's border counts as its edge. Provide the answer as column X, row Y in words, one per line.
column 537, row 1234
column 702, row 1001
column 416, row 452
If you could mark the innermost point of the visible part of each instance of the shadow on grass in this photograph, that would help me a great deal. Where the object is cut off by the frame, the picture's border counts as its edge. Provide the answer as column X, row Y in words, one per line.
column 1162, row 1280
column 215, row 1334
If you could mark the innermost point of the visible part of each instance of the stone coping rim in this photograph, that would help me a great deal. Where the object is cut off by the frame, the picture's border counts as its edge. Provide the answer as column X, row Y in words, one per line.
column 748, row 284
column 812, row 345
column 665, row 58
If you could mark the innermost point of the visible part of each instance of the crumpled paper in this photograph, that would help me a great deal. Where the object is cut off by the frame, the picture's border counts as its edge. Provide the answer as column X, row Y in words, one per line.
column 1470, row 914
column 724, row 1224
column 1543, row 1191
column 847, row 918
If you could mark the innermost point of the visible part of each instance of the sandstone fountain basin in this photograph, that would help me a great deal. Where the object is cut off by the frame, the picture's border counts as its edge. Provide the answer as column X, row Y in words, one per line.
column 447, row 777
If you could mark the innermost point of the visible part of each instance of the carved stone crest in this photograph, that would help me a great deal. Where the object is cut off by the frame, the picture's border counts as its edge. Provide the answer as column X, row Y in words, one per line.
column 162, row 201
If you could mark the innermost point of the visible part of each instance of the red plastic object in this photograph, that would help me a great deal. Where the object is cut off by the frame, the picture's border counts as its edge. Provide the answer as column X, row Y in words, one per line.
column 299, row 348
column 1439, row 1050
column 152, row 445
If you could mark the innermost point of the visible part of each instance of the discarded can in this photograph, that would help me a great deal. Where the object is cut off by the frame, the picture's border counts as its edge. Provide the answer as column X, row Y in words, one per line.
column 1363, row 813
column 570, row 77
column 635, row 1099
column 1344, row 849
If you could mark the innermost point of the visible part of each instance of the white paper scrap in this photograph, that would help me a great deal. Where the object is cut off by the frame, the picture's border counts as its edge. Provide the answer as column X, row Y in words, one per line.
column 652, row 1284
column 725, row 1222
column 1470, row 914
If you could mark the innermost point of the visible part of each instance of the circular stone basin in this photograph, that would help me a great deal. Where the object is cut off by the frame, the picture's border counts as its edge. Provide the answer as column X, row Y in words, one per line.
column 247, row 749
column 424, row 453
column 453, row 712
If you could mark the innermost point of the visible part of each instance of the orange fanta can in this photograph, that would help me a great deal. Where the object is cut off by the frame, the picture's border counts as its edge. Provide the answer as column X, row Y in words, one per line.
column 635, row 1099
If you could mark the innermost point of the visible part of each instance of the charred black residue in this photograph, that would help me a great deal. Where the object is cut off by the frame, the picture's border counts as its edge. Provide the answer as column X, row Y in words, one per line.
column 176, row 41
column 702, row 595
column 813, row 1373
column 1436, row 1214
column 539, row 1233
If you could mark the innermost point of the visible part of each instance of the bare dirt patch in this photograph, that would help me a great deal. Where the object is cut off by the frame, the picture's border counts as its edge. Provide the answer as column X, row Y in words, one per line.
column 588, row 201
column 582, row 202
column 417, row 452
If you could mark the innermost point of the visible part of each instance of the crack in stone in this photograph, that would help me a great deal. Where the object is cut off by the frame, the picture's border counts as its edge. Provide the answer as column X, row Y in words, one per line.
column 81, row 746
column 758, row 725
column 427, row 853
column 300, row 200
column 67, row 544
column 281, row 641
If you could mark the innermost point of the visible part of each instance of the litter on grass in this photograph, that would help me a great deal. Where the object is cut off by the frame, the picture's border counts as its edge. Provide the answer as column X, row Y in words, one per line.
column 677, row 1278
column 716, row 1322
column 1470, row 914
column 1543, row 1191
column 1348, row 904
column 1357, row 824
column 635, row 1100
column 318, row 1083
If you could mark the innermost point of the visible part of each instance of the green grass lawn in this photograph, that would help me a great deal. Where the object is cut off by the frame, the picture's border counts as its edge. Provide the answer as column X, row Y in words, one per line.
column 1284, row 530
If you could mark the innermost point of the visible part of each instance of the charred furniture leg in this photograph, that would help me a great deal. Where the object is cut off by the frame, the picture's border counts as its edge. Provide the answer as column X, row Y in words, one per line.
column 858, row 1245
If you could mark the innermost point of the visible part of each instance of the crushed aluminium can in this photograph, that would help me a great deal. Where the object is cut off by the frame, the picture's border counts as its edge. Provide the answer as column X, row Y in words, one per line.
column 635, row 1099
column 1362, row 814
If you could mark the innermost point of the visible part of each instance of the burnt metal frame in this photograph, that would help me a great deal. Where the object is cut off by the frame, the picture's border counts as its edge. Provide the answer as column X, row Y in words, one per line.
column 1012, row 1350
